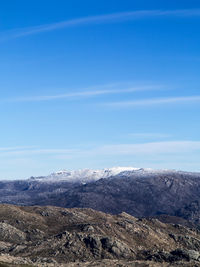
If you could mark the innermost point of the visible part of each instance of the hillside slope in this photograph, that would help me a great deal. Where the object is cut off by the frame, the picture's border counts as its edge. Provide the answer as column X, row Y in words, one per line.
column 58, row 236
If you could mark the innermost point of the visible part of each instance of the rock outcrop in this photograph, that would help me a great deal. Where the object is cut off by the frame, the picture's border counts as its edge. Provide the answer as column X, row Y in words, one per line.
column 52, row 236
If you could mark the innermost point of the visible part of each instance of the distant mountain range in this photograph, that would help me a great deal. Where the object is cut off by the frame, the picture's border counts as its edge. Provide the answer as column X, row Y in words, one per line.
column 139, row 192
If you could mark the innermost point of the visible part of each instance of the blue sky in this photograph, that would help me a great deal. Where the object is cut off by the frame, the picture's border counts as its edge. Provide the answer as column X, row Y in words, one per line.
column 95, row 84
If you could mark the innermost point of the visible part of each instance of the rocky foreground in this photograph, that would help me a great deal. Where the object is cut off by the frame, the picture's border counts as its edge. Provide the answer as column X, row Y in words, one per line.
column 51, row 236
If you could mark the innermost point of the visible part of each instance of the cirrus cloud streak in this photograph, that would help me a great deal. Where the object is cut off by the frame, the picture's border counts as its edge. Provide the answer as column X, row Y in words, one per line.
column 99, row 19
column 154, row 101
column 95, row 91
column 162, row 147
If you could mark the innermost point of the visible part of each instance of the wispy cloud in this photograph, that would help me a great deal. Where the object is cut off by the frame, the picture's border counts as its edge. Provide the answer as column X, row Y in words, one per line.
column 106, row 18
column 150, row 148
column 148, row 135
column 154, row 101
column 91, row 92
column 34, row 151
column 15, row 148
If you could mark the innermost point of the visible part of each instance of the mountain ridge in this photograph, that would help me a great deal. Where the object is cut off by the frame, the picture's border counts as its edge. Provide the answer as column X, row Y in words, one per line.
column 90, row 175
column 139, row 192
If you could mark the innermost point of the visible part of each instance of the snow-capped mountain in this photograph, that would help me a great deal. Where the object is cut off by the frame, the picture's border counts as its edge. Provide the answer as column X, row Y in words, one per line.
column 90, row 175
column 84, row 175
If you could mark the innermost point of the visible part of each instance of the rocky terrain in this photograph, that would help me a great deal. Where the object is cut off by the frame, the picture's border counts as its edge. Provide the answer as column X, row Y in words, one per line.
column 53, row 236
